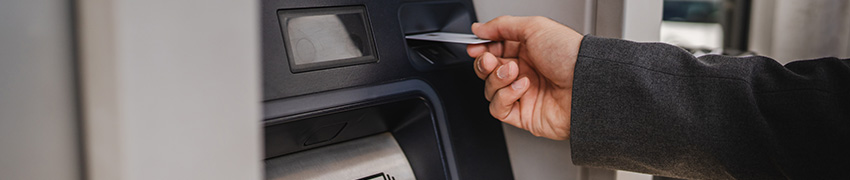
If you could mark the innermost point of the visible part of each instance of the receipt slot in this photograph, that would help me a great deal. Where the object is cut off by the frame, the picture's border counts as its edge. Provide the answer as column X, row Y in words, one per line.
column 346, row 96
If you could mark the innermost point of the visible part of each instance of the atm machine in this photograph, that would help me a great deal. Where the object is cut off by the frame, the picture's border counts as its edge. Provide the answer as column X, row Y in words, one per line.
column 346, row 96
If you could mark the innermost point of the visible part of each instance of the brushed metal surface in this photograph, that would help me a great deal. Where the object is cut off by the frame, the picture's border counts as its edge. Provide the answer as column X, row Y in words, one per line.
column 356, row 159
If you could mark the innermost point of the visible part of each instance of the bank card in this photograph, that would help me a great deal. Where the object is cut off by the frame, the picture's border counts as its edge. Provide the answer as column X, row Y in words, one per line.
column 448, row 37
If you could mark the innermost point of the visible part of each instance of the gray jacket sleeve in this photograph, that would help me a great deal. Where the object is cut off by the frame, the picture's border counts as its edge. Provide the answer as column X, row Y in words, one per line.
column 655, row 108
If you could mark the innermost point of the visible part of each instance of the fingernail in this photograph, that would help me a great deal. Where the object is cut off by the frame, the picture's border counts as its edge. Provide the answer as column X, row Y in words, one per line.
column 503, row 71
column 475, row 26
column 478, row 64
column 519, row 84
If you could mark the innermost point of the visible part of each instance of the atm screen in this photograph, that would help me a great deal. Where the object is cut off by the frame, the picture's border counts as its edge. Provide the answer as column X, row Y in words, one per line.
column 321, row 38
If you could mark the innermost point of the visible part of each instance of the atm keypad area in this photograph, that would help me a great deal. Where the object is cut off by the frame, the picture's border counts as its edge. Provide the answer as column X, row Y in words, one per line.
column 346, row 96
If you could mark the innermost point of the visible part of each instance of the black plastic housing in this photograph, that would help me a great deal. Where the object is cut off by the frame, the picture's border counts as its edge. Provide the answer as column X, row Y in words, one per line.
column 396, row 94
column 402, row 108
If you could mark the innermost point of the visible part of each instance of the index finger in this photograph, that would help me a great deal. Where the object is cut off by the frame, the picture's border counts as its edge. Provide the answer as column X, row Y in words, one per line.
column 505, row 28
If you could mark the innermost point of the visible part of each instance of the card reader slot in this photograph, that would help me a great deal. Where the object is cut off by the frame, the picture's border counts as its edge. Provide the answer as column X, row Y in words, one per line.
column 424, row 17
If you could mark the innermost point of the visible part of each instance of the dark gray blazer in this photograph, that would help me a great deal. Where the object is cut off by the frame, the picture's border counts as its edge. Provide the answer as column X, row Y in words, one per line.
column 655, row 108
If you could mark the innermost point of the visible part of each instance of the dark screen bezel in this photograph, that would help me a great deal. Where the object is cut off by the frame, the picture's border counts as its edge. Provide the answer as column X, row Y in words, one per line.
column 285, row 14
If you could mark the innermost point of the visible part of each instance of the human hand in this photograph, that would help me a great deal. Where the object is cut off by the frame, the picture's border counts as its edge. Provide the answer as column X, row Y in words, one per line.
column 528, row 72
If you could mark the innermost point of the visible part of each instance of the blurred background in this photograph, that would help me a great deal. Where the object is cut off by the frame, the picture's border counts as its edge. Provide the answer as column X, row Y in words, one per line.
column 785, row 30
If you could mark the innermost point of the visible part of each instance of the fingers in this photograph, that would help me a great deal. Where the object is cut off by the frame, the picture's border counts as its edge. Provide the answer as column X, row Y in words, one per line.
column 505, row 49
column 501, row 77
column 506, row 31
column 505, row 105
column 499, row 48
column 485, row 64
column 476, row 50
column 506, row 28
column 508, row 49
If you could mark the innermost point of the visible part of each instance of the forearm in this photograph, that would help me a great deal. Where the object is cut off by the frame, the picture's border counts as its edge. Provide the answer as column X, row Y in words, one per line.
column 655, row 108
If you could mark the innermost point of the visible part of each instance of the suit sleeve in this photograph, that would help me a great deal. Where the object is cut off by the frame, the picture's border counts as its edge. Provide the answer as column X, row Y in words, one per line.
column 655, row 108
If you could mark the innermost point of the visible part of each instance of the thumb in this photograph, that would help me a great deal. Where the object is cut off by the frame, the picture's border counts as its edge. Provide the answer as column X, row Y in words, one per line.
column 505, row 28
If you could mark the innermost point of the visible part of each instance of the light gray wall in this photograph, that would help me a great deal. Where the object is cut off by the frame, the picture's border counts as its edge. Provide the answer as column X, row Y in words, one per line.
column 567, row 12
column 171, row 89
column 38, row 134
column 642, row 20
